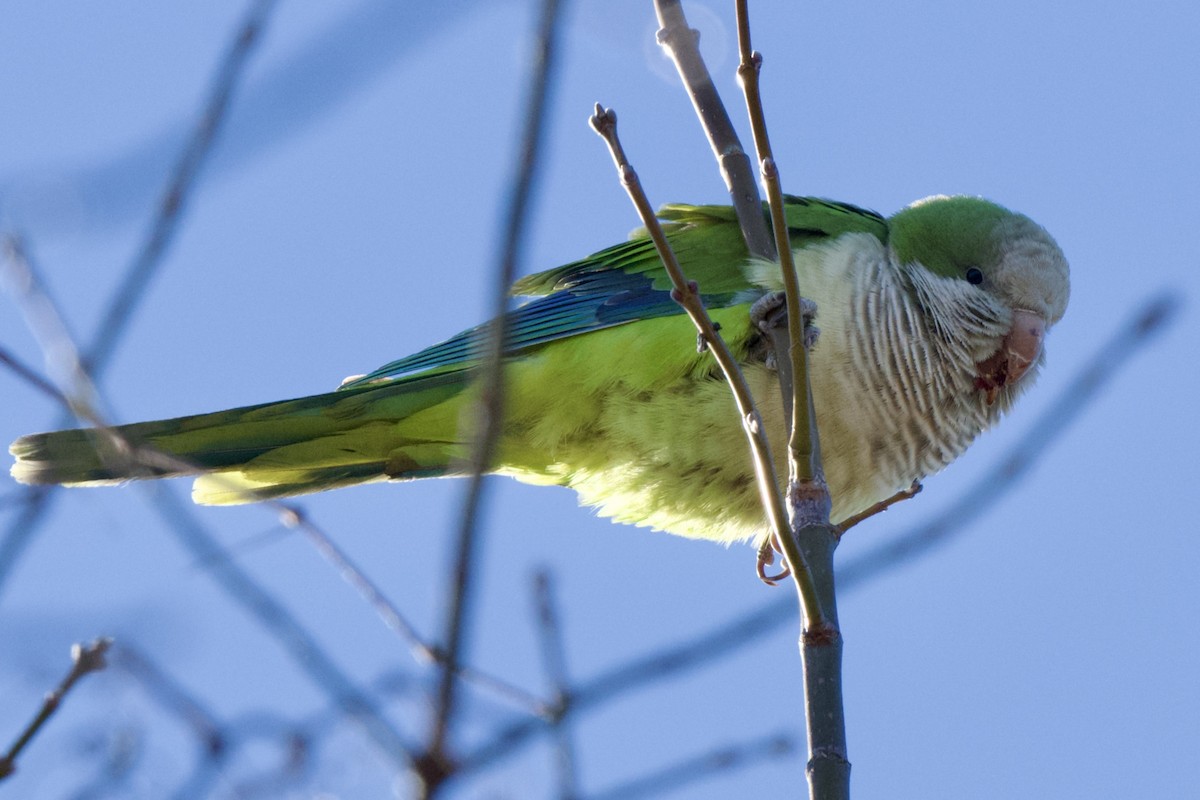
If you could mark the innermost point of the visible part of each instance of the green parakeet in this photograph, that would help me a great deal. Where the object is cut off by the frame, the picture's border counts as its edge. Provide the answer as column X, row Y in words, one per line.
column 932, row 323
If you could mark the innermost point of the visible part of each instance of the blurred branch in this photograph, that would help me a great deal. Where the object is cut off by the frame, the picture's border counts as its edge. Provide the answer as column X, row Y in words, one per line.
column 173, row 202
column 555, row 663
column 681, row 42
column 55, row 339
column 703, row 767
column 293, row 516
column 116, row 319
column 173, row 698
column 434, row 766
column 84, row 659
column 292, row 92
column 300, row 644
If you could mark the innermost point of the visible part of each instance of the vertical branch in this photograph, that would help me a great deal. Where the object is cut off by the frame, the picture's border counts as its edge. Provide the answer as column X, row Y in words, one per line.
column 434, row 768
column 808, row 494
column 681, row 41
column 803, row 441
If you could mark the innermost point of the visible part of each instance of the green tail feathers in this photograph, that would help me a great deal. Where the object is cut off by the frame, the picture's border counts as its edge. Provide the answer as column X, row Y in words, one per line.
column 395, row 431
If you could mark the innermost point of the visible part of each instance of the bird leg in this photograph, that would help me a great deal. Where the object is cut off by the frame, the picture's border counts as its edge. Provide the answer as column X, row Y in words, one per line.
column 769, row 315
column 879, row 508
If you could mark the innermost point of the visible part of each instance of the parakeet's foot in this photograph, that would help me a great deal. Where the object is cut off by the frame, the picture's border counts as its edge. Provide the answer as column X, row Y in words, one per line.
column 770, row 312
column 766, row 557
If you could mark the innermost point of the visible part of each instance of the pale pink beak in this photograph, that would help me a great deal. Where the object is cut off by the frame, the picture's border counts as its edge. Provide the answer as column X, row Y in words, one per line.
column 1020, row 348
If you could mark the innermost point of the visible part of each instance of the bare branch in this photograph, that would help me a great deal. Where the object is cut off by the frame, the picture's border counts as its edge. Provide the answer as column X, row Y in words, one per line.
column 803, row 454
column 293, row 516
column 176, row 700
column 681, row 41
column 491, row 404
column 687, row 294
column 812, row 538
column 880, row 507
column 84, row 659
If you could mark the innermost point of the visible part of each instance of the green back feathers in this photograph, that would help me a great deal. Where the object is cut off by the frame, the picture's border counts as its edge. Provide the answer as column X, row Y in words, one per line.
column 627, row 282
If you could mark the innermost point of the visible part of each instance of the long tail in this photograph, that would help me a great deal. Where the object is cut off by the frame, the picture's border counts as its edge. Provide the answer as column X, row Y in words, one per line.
column 396, row 431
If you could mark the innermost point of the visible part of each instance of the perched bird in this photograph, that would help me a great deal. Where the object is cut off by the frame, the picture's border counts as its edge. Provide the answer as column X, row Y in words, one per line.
column 932, row 323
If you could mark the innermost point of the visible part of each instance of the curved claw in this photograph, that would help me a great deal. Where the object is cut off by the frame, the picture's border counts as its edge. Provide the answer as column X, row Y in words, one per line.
column 766, row 557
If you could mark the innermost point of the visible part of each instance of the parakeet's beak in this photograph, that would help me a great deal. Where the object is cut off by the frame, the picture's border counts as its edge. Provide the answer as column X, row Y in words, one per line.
column 1020, row 348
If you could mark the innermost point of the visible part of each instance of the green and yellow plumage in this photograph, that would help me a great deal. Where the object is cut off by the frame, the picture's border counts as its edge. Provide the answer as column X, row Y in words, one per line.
column 609, row 396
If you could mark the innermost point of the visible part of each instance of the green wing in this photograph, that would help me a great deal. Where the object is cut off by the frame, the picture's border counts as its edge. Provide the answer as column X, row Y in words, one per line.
column 627, row 282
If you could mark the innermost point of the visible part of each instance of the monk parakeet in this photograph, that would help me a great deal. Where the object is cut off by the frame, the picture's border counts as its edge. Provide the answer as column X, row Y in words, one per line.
column 932, row 323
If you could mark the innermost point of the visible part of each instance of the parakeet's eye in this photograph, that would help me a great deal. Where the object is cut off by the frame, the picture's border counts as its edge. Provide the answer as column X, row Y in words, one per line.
column 975, row 275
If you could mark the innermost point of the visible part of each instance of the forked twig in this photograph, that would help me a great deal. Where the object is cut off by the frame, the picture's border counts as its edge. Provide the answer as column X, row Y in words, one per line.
column 687, row 294
column 681, row 41
column 84, row 659
column 813, row 539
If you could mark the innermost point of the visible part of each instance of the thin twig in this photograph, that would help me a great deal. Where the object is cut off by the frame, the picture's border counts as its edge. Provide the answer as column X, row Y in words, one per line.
column 802, row 444
column 84, row 659
column 306, row 653
column 681, row 42
column 292, row 516
column 687, row 294
column 491, row 404
column 555, row 664
column 880, row 507
column 812, row 538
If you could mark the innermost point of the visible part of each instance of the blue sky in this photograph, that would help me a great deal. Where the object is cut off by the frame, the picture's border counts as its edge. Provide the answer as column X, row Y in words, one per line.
column 348, row 216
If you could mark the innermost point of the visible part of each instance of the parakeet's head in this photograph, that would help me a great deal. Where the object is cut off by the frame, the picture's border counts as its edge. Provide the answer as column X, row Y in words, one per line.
column 1007, row 279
